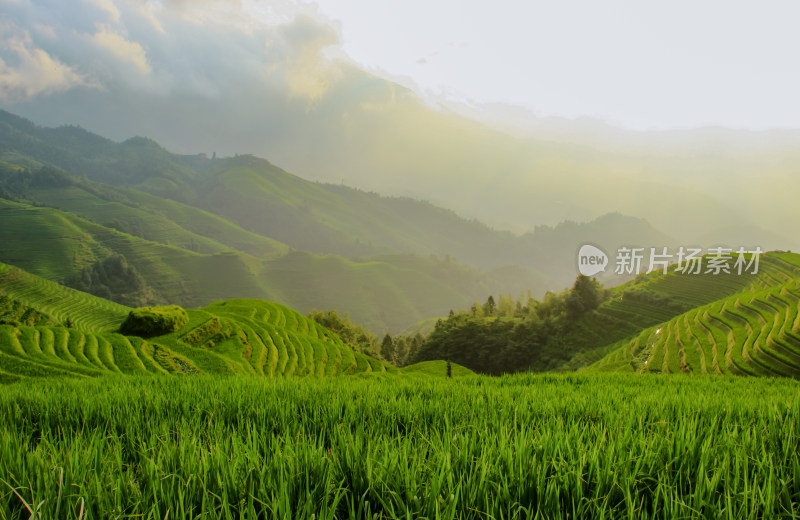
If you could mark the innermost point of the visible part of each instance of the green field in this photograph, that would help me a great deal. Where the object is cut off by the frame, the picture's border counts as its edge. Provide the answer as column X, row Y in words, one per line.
column 655, row 298
column 755, row 330
column 246, row 337
column 546, row 446
column 199, row 398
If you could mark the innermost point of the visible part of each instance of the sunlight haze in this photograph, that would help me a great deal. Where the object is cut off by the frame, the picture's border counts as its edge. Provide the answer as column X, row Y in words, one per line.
column 522, row 114
column 640, row 65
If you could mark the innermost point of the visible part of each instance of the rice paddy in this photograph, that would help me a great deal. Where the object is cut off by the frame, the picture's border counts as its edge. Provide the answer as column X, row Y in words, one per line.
column 751, row 333
column 546, row 446
column 235, row 414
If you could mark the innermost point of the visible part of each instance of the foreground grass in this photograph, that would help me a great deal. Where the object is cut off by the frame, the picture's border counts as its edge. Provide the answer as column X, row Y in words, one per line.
column 565, row 446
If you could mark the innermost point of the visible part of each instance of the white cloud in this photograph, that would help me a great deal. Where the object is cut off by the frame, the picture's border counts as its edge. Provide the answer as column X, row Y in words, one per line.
column 148, row 12
column 121, row 48
column 34, row 71
column 109, row 7
column 308, row 73
column 177, row 47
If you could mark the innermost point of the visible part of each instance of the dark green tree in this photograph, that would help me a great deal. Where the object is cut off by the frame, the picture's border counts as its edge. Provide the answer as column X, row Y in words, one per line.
column 401, row 349
column 387, row 348
column 526, row 335
column 489, row 308
column 588, row 291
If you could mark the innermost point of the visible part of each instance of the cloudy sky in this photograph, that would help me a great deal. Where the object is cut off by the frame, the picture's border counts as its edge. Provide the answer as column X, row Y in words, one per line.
column 641, row 65
column 372, row 93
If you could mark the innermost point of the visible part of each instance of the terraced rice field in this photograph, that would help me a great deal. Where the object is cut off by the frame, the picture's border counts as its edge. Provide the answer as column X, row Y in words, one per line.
column 266, row 339
column 689, row 291
column 654, row 299
column 84, row 311
column 250, row 337
column 59, row 351
column 751, row 333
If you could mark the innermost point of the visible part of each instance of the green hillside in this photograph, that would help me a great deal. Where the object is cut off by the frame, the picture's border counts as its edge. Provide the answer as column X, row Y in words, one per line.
column 263, row 199
column 384, row 294
column 47, row 329
column 579, row 326
column 741, row 325
column 58, row 245
column 57, row 303
column 154, row 218
column 254, row 194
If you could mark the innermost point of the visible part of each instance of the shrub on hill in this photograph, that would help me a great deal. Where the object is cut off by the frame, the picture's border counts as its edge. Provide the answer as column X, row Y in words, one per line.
column 154, row 321
column 354, row 335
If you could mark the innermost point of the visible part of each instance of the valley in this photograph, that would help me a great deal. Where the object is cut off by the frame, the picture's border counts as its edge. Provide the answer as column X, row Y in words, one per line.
column 333, row 260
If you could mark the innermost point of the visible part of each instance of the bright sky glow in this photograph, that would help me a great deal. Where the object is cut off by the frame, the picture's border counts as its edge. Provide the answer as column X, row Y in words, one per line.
column 643, row 65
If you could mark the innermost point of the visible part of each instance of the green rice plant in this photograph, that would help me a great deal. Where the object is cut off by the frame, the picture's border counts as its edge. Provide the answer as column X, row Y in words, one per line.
column 28, row 338
column 105, row 352
column 693, row 357
column 333, row 359
column 125, row 357
column 46, row 340
column 724, row 337
column 525, row 446
column 772, row 349
column 291, row 356
column 672, row 350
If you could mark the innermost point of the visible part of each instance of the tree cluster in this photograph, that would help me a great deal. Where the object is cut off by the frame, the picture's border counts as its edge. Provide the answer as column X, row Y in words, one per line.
column 400, row 350
column 507, row 336
column 397, row 351
column 354, row 335
column 154, row 321
column 113, row 278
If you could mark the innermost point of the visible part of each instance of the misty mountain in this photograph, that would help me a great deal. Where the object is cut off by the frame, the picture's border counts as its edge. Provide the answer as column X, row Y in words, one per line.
column 306, row 244
column 267, row 201
column 279, row 90
column 373, row 134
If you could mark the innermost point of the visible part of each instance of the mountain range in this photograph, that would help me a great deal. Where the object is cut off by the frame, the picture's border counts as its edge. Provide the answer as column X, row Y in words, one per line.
column 198, row 229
